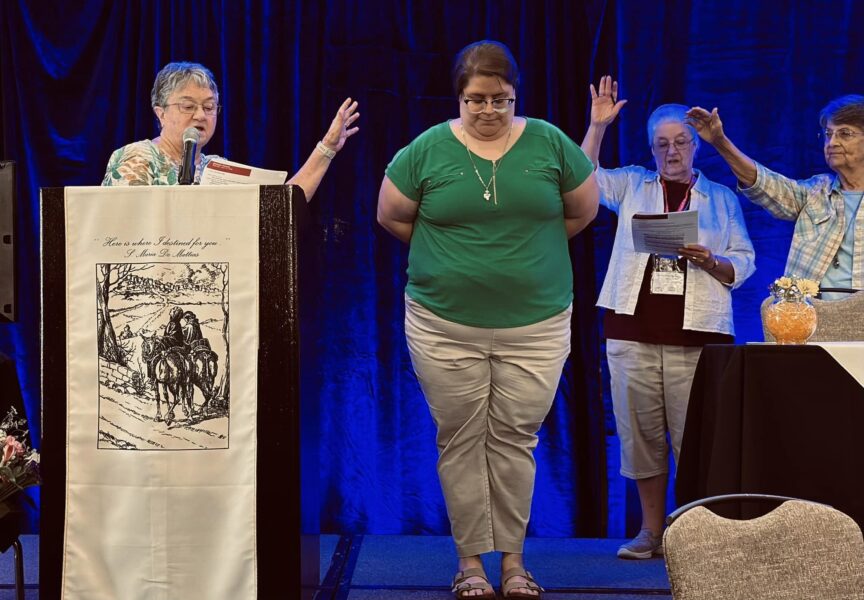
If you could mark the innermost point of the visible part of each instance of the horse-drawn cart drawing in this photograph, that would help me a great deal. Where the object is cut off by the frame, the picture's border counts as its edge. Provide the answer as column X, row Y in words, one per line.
column 164, row 383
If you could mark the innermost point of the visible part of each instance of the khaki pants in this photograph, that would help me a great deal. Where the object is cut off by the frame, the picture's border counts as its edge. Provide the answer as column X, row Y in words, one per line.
column 488, row 391
column 650, row 385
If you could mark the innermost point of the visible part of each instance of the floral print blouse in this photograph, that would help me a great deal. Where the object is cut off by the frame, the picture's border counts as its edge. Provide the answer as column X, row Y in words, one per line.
column 144, row 163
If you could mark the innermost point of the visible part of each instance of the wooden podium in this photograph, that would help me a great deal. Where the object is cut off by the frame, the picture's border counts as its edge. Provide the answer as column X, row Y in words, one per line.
column 287, row 506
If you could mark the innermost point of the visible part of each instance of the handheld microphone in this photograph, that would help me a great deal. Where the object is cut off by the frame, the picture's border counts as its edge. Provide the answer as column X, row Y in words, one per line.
column 187, row 162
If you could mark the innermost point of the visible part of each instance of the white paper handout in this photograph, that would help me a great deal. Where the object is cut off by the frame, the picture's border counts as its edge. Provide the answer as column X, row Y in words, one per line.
column 664, row 233
column 225, row 172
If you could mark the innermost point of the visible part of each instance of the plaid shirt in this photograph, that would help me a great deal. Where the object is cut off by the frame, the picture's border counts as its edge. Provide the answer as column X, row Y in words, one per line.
column 818, row 209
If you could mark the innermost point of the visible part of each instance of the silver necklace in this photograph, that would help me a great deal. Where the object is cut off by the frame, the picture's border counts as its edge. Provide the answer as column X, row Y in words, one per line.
column 491, row 183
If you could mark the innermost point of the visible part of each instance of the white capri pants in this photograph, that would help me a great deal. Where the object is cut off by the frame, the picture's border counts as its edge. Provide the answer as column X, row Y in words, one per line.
column 650, row 386
column 488, row 391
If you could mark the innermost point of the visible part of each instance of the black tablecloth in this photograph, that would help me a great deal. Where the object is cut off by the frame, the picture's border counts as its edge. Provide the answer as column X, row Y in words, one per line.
column 784, row 420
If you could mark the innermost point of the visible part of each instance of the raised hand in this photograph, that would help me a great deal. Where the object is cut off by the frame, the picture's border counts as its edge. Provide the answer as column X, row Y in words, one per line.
column 340, row 128
column 707, row 125
column 605, row 105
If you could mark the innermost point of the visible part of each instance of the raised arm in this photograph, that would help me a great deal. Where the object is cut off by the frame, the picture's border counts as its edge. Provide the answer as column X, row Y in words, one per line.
column 710, row 128
column 310, row 174
column 396, row 211
column 605, row 107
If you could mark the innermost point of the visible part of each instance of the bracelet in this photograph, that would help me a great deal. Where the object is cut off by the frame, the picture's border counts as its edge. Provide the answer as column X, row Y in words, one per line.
column 716, row 263
column 328, row 152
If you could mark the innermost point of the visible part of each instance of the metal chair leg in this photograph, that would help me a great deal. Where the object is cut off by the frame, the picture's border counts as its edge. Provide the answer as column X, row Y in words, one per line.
column 19, row 569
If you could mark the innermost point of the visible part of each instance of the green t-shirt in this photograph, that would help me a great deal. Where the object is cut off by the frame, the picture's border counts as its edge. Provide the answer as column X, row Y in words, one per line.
column 477, row 263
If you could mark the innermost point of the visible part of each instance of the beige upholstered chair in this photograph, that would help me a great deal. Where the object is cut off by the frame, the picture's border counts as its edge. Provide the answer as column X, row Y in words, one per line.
column 836, row 320
column 800, row 550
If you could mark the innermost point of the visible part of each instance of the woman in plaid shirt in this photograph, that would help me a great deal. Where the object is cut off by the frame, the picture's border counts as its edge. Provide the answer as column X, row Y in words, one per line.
column 825, row 208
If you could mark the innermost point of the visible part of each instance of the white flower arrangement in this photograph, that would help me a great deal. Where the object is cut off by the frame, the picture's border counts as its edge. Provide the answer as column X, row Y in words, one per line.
column 793, row 288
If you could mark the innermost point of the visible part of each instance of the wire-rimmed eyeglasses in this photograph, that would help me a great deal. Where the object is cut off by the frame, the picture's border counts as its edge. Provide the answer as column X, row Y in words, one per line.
column 662, row 146
column 843, row 134
column 190, row 108
column 499, row 105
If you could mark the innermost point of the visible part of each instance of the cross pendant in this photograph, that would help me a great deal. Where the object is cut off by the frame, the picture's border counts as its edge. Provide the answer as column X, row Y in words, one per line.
column 486, row 195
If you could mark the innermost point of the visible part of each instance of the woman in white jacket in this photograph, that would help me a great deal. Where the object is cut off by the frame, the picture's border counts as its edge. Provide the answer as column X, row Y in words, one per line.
column 661, row 310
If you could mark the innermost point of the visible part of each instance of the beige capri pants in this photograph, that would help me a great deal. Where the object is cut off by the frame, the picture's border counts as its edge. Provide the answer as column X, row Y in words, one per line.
column 650, row 385
column 488, row 391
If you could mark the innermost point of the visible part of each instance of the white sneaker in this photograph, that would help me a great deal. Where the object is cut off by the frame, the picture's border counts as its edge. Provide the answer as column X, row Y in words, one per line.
column 644, row 545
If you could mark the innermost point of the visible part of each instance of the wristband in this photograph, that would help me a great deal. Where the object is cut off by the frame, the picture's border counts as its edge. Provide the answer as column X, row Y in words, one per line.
column 329, row 153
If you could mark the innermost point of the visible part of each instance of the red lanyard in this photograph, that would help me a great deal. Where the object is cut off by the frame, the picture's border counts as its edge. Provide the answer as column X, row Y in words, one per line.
column 685, row 203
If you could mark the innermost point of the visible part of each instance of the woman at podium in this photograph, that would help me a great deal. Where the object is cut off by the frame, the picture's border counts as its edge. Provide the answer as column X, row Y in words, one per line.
column 185, row 96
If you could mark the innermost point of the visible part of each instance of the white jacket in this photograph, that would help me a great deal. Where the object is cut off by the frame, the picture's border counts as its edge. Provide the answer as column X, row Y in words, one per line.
column 707, row 302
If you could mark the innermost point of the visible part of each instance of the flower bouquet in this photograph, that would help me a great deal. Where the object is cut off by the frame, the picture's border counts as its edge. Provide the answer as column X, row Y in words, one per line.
column 19, row 464
column 791, row 318
column 794, row 288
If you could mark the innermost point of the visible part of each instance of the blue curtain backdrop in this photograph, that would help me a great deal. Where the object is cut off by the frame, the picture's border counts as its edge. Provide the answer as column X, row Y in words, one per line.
column 75, row 84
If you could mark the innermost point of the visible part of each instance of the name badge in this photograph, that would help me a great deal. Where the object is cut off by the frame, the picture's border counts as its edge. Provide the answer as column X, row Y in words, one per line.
column 670, row 283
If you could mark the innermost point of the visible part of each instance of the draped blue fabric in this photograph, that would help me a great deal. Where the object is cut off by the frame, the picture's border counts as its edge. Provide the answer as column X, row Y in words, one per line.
column 75, row 84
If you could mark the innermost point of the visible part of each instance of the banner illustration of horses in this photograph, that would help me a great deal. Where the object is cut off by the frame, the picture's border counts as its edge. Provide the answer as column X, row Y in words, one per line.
column 163, row 346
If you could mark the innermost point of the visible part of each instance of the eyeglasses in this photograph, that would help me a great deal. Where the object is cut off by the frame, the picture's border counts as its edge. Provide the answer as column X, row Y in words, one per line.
column 843, row 135
column 499, row 105
column 663, row 146
column 190, row 108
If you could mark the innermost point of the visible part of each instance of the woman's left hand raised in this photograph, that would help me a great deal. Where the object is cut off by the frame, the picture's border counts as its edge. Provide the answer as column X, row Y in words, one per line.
column 340, row 128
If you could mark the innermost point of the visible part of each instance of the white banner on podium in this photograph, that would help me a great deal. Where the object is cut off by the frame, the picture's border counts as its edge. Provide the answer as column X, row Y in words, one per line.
column 162, row 336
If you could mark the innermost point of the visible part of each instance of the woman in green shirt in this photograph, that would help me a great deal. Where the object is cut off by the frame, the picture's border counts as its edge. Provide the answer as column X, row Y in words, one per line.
column 487, row 203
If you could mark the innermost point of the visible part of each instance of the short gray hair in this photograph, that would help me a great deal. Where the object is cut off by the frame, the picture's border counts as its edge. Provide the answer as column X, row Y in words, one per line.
column 175, row 75
column 845, row 110
column 674, row 113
